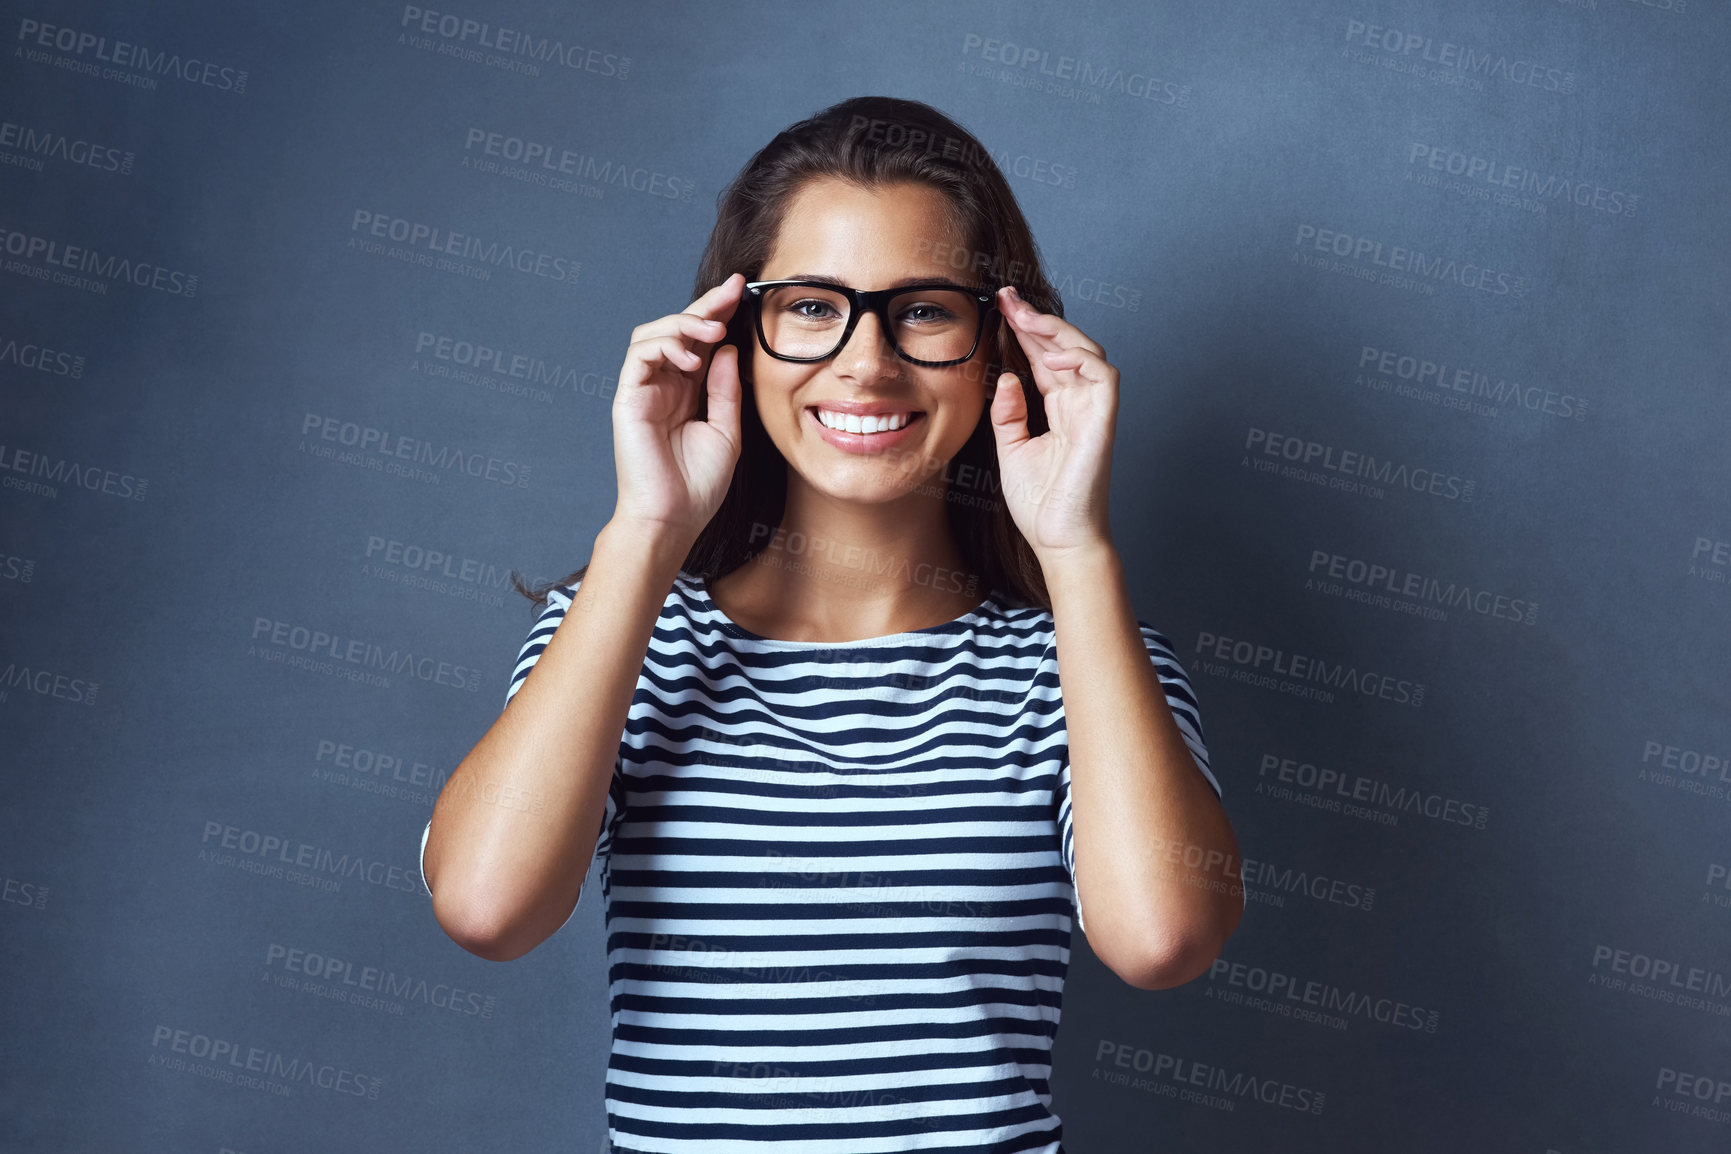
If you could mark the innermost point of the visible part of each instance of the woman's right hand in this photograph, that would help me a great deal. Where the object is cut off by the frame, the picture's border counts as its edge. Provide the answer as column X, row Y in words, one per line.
column 673, row 470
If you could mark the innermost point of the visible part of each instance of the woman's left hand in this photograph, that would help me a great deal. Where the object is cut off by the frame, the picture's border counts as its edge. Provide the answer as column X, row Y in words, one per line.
column 1055, row 483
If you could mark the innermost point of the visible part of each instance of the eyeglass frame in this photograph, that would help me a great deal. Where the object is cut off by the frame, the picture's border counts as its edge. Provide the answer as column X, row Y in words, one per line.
column 862, row 301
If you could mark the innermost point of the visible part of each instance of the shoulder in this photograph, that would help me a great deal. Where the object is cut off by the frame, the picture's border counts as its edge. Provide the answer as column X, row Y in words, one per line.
column 1159, row 645
column 1036, row 624
column 555, row 602
column 559, row 598
column 1168, row 667
column 1028, row 632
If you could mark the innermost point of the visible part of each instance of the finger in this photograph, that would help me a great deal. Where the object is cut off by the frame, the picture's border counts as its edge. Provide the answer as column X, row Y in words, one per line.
column 697, row 328
column 723, row 392
column 1084, row 362
column 667, row 350
column 1041, row 331
column 704, row 318
column 720, row 301
column 1046, row 330
column 1009, row 414
column 1056, row 369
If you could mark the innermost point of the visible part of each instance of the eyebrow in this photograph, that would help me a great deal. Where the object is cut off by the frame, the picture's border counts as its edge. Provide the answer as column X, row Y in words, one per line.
column 839, row 283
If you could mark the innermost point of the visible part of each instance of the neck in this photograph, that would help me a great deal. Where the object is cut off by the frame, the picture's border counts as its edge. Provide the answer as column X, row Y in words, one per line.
column 841, row 570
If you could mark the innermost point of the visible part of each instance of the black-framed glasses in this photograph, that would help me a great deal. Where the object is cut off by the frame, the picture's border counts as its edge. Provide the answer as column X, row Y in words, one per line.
column 934, row 324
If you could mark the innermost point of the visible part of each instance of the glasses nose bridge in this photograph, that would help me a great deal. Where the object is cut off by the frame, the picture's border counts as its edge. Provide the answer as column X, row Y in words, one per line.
column 878, row 308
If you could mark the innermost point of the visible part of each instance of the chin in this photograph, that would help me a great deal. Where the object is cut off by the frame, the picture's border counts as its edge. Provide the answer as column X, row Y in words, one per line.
column 860, row 490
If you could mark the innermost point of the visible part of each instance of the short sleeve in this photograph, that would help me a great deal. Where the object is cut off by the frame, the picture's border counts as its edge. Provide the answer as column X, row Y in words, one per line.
column 540, row 633
column 1181, row 697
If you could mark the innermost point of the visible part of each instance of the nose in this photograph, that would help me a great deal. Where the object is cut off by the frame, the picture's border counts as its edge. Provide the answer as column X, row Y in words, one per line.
column 868, row 345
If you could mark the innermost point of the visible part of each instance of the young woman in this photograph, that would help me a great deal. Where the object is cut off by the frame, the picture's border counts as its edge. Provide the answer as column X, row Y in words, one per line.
column 850, row 695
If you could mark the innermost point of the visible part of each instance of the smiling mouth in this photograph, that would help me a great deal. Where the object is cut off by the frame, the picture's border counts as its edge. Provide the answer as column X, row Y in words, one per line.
column 867, row 425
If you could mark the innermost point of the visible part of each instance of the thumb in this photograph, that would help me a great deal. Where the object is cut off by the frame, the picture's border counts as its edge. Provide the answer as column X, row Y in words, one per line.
column 723, row 390
column 1009, row 412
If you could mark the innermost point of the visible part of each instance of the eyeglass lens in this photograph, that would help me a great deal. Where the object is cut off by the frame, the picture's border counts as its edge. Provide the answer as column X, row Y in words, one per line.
column 926, row 324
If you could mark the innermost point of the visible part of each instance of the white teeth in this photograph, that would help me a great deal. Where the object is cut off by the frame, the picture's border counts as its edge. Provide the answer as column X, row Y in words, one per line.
column 850, row 423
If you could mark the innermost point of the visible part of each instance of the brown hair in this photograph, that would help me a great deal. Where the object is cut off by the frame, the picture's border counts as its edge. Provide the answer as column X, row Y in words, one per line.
column 873, row 141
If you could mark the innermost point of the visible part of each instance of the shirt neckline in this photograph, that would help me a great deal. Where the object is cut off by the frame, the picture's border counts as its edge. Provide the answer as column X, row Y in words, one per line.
column 699, row 586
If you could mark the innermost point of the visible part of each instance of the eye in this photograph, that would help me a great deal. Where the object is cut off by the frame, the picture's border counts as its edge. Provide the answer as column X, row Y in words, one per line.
column 811, row 309
column 926, row 313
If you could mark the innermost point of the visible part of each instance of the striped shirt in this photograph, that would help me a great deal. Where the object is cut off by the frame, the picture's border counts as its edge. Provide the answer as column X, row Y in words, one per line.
column 838, row 881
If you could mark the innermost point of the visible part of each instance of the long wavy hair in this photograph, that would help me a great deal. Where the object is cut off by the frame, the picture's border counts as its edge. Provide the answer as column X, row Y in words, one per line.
column 874, row 141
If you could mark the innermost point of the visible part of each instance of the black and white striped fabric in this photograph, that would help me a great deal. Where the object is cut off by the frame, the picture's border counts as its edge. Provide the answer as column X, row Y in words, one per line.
column 838, row 882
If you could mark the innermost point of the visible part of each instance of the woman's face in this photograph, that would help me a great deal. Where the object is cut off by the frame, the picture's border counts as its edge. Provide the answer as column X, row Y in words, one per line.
column 868, row 240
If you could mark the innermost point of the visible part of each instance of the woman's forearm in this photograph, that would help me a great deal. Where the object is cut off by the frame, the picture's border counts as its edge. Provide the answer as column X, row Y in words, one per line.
column 516, row 824
column 1136, row 794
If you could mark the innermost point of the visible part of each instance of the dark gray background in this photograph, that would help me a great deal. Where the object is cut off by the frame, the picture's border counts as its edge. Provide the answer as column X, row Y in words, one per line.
column 1169, row 205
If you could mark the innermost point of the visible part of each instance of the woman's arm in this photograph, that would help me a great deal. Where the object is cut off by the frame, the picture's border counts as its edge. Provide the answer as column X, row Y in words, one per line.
column 504, row 879
column 1139, row 806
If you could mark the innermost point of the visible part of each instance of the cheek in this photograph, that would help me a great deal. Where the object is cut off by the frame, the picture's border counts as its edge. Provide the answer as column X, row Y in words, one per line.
column 769, row 393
